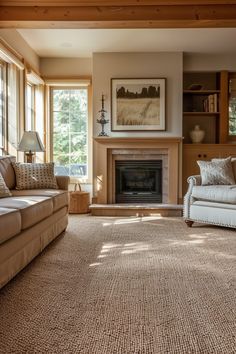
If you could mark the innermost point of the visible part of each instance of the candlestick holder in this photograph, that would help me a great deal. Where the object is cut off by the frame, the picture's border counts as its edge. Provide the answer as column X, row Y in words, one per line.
column 102, row 119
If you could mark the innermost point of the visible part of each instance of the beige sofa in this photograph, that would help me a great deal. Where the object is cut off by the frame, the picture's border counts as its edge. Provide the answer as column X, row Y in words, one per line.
column 29, row 221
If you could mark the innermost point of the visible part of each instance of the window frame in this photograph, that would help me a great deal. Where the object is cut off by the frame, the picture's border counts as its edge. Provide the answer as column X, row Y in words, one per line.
column 65, row 86
column 32, row 107
column 3, row 98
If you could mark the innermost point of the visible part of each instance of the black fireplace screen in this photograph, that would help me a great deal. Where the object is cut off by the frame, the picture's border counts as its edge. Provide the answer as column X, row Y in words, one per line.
column 139, row 181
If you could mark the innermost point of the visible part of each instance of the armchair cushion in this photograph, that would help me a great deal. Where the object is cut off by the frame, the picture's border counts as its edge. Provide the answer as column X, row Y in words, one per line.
column 218, row 194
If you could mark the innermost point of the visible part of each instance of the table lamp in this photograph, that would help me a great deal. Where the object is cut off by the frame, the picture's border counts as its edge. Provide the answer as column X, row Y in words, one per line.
column 30, row 143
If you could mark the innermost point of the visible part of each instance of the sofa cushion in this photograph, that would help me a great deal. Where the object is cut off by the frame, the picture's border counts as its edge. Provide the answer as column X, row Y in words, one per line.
column 221, row 194
column 216, row 172
column 32, row 208
column 10, row 223
column 4, row 191
column 35, row 175
column 59, row 197
column 7, row 170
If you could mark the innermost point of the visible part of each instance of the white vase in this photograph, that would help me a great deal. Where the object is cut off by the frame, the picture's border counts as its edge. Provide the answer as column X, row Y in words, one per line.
column 197, row 135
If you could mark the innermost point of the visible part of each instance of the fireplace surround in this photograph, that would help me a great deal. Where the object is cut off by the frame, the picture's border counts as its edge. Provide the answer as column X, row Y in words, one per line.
column 108, row 150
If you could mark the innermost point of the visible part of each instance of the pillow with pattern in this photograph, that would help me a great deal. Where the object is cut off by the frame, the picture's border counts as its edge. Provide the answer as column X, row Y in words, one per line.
column 233, row 162
column 216, row 172
column 35, row 175
column 4, row 191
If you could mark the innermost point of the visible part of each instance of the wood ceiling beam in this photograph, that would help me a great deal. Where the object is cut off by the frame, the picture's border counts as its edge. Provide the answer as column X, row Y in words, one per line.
column 136, row 16
column 113, row 2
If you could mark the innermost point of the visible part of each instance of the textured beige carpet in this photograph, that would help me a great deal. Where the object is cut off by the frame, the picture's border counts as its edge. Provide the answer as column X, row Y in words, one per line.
column 125, row 285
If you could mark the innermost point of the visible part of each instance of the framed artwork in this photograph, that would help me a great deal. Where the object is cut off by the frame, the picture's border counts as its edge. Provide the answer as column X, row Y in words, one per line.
column 137, row 104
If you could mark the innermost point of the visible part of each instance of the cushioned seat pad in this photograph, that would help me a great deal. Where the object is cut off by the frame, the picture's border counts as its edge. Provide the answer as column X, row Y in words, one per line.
column 60, row 197
column 203, row 203
column 32, row 208
column 10, row 223
column 221, row 193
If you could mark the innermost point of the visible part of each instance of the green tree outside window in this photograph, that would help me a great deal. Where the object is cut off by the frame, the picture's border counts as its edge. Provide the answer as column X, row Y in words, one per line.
column 70, row 128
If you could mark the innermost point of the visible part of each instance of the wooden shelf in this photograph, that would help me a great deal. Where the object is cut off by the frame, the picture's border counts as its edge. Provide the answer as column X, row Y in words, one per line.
column 215, row 124
column 200, row 113
column 201, row 92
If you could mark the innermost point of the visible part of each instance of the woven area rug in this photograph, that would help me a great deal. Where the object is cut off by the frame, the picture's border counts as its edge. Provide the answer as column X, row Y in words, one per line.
column 125, row 285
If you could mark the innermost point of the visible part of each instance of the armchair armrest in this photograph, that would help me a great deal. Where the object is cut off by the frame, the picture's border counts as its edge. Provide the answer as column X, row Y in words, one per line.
column 194, row 180
column 63, row 182
column 188, row 199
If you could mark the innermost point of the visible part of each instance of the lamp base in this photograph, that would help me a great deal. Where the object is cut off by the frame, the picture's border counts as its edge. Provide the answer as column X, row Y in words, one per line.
column 29, row 157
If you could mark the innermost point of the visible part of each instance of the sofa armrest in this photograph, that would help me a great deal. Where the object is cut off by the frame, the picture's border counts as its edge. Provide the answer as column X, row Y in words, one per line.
column 188, row 199
column 63, row 182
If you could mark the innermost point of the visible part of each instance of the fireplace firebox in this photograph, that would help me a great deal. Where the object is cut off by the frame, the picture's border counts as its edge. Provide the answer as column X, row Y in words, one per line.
column 138, row 181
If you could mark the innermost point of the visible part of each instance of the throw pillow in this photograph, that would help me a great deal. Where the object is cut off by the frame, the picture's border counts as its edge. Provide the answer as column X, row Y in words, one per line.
column 216, row 172
column 4, row 191
column 233, row 162
column 35, row 175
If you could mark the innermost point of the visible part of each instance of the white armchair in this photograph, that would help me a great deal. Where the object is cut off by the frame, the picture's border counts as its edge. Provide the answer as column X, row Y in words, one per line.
column 210, row 204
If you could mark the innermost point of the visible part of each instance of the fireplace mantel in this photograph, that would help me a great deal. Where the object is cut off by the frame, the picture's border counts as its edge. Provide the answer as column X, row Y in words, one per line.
column 128, row 140
column 106, row 148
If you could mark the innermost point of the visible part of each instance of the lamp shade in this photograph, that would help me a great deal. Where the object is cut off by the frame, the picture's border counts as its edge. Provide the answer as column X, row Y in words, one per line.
column 31, row 142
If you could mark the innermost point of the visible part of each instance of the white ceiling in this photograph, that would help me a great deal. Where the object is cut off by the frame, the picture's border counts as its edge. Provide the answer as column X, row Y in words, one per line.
column 83, row 42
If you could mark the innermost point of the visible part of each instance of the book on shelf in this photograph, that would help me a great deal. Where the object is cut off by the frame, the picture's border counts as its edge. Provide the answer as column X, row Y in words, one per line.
column 210, row 104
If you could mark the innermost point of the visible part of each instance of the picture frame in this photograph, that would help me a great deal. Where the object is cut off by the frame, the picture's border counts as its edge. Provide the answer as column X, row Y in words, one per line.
column 138, row 104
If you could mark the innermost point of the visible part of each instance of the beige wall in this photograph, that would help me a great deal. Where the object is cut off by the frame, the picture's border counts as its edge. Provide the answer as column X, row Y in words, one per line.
column 140, row 65
column 66, row 66
column 14, row 39
column 209, row 62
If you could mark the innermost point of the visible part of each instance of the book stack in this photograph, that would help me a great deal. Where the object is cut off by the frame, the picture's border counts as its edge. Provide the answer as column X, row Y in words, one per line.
column 210, row 104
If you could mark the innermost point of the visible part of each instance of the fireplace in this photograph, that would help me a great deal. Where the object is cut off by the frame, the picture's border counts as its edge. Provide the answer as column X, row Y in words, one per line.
column 138, row 181
column 108, row 151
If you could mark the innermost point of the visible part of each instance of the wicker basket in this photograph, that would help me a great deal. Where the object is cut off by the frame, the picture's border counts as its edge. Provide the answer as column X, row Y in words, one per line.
column 79, row 201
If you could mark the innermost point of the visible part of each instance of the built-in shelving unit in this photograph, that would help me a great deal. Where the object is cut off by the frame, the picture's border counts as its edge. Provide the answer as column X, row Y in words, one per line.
column 197, row 88
column 201, row 104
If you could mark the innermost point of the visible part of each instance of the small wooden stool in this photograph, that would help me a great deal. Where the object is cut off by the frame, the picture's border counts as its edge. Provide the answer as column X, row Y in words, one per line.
column 79, row 201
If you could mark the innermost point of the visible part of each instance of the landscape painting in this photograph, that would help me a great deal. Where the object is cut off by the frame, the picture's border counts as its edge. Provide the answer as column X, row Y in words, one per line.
column 138, row 104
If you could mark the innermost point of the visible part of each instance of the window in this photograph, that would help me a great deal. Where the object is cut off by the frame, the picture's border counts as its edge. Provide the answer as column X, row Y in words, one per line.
column 2, row 106
column 69, row 109
column 232, row 105
column 30, row 112
column 34, row 117
column 11, row 102
column 13, row 108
